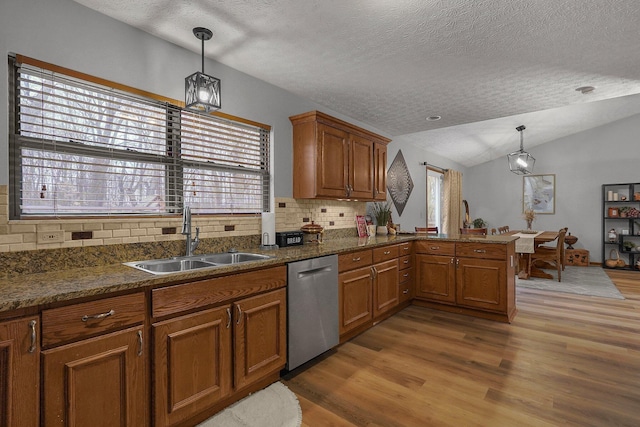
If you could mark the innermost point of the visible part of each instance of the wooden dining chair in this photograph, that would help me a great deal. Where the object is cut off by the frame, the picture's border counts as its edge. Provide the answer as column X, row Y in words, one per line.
column 428, row 230
column 503, row 229
column 554, row 255
column 493, row 231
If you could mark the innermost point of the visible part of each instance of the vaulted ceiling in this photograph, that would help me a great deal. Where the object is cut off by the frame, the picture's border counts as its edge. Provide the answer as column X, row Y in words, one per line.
column 484, row 66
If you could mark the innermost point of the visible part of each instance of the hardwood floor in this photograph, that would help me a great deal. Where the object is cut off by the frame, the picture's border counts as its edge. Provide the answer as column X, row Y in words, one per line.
column 565, row 360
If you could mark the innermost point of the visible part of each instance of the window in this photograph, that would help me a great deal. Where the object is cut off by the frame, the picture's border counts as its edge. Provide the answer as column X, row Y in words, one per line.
column 435, row 198
column 83, row 148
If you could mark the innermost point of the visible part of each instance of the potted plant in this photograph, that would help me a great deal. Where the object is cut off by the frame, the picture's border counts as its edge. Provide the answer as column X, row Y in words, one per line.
column 479, row 223
column 382, row 214
column 628, row 246
column 624, row 211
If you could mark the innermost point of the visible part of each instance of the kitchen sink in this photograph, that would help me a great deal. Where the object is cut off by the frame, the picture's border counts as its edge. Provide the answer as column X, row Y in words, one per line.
column 232, row 257
column 195, row 262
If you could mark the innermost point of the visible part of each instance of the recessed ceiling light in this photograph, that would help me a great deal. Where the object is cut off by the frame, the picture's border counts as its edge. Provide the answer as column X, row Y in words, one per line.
column 585, row 89
column 433, row 118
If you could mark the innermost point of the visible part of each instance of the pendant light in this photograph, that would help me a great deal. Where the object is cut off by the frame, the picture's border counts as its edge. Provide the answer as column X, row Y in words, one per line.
column 521, row 162
column 202, row 92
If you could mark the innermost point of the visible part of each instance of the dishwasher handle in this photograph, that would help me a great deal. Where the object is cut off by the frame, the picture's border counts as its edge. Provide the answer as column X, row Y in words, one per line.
column 314, row 271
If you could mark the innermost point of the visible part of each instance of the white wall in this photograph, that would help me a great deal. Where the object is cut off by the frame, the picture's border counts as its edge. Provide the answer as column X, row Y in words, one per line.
column 70, row 35
column 414, row 214
column 582, row 163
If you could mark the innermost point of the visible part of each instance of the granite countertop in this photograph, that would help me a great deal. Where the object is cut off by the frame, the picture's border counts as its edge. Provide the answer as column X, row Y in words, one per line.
column 41, row 289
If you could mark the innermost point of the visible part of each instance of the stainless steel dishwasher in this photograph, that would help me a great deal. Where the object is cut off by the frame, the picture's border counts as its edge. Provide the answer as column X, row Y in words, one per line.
column 312, row 301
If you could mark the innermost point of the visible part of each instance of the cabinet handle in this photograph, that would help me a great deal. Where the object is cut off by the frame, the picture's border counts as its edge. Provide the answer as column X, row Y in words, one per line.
column 457, row 262
column 434, row 248
column 32, row 347
column 228, row 317
column 406, row 291
column 239, row 319
column 387, row 252
column 451, row 260
column 98, row 316
column 356, row 259
column 140, row 343
column 406, row 248
column 406, row 261
column 406, row 275
column 374, row 272
column 511, row 260
column 480, row 251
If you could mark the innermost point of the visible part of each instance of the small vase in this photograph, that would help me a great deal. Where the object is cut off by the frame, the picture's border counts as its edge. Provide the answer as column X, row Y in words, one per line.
column 381, row 230
column 529, row 224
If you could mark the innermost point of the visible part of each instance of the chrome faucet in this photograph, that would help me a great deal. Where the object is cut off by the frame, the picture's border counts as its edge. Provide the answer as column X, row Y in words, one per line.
column 186, row 230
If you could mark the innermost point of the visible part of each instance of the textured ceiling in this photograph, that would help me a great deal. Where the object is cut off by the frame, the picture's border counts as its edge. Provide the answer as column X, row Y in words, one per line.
column 485, row 66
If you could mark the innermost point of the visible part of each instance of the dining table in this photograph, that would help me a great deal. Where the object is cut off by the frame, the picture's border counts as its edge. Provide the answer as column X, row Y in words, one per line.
column 526, row 245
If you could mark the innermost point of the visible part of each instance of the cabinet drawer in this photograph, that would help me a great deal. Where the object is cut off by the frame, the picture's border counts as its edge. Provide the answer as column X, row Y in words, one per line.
column 385, row 253
column 405, row 248
column 354, row 260
column 405, row 275
column 405, row 262
column 405, row 292
column 82, row 320
column 481, row 250
column 435, row 247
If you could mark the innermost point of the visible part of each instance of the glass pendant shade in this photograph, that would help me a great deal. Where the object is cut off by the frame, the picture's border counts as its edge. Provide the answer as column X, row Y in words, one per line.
column 201, row 91
column 521, row 162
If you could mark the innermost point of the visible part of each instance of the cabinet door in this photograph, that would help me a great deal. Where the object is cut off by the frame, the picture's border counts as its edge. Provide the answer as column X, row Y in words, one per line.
column 333, row 162
column 260, row 336
column 354, row 298
column 380, row 172
column 482, row 283
column 385, row 287
column 435, row 278
column 19, row 373
column 100, row 381
column 192, row 364
column 360, row 168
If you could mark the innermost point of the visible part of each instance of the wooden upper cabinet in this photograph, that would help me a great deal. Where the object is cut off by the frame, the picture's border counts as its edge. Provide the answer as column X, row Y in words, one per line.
column 380, row 172
column 333, row 159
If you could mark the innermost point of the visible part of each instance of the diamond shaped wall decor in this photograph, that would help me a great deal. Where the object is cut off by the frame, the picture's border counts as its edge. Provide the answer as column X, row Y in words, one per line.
column 399, row 182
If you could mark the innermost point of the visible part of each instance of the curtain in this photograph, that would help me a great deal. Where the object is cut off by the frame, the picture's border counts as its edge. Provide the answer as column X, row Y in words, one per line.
column 452, row 202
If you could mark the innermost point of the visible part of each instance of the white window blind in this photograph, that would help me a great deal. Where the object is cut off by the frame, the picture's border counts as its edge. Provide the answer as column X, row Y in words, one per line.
column 80, row 148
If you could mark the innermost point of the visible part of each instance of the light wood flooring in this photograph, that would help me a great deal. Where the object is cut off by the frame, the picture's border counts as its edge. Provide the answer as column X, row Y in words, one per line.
column 566, row 360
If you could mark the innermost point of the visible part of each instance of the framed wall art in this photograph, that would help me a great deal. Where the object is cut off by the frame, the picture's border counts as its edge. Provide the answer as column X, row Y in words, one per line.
column 539, row 193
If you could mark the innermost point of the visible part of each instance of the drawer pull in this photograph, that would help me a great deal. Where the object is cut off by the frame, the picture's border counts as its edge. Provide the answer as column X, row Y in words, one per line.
column 140, row 343
column 406, row 291
column 86, row 317
column 32, row 347
column 356, row 259
column 480, row 251
column 406, row 261
column 387, row 252
column 406, row 275
column 434, row 248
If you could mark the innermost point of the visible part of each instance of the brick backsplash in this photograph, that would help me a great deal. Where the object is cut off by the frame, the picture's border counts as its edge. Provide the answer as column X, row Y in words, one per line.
column 21, row 235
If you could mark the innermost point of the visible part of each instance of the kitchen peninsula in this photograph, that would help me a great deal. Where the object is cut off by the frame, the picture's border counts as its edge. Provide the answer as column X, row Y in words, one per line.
column 67, row 317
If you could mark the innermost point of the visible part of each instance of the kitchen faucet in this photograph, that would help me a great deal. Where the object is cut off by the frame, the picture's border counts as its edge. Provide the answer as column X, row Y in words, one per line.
column 186, row 230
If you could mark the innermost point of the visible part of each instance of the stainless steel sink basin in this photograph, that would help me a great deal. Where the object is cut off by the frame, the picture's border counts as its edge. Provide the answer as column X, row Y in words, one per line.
column 232, row 257
column 194, row 262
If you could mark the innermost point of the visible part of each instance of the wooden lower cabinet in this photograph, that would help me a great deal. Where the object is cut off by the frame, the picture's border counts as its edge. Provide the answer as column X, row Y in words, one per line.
column 355, row 298
column 481, row 283
column 473, row 278
column 436, row 278
column 192, row 364
column 20, row 373
column 98, row 381
column 385, row 287
column 260, row 336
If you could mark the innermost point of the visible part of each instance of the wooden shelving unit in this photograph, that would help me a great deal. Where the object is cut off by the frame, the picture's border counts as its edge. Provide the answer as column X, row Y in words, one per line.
column 627, row 227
